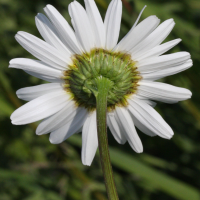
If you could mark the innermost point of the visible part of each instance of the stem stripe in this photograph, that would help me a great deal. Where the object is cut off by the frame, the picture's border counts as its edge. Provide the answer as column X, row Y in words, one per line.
column 101, row 107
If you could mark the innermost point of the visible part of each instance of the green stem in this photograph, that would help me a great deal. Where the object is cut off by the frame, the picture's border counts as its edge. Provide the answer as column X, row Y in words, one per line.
column 103, row 85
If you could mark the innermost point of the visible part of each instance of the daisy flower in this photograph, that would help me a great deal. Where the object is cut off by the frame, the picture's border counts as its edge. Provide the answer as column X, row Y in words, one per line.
column 73, row 58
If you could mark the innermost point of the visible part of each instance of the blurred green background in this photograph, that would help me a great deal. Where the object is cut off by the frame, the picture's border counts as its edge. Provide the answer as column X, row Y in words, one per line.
column 33, row 169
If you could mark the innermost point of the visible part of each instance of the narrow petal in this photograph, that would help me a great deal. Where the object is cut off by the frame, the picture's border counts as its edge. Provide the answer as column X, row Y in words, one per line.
column 42, row 50
column 50, row 35
column 65, row 31
column 162, row 92
column 138, row 33
column 115, row 128
column 154, row 39
column 112, row 23
column 159, row 50
column 167, row 72
column 30, row 93
column 128, row 125
column 82, row 26
column 96, row 22
column 59, row 119
column 162, row 62
column 149, row 118
column 73, row 126
column 36, row 68
column 40, row 108
column 137, row 20
column 47, row 78
column 89, row 139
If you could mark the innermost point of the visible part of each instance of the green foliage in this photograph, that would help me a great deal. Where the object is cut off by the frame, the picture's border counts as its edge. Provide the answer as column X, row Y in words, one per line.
column 33, row 169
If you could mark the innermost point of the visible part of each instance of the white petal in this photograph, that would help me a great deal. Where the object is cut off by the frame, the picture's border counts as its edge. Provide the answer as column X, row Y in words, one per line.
column 162, row 62
column 142, row 128
column 96, row 22
column 112, row 23
column 42, row 107
column 82, row 26
column 167, row 72
column 159, row 50
column 162, row 92
column 138, row 33
column 42, row 50
column 50, row 35
column 149, row 102
column 73, row 126
column 115, row 128
column 47, row 78
column 30, row 93
column 137, row 20
column 130, row 132
column 89, row 139
column 154, row 39
column 149, row 118
column 63, row 28
column 36, row 68
column 59, row 119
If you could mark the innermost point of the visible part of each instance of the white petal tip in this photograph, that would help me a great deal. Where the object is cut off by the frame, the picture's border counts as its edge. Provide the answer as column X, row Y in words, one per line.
column 17, row 92
column 121, row 142
column 38, row 132
column 139, row 150
column 187, row 53
column 19, row 33
column 17, row 123
column 11, row 117
column 188, row 94
column 37, row 17
column 87, row 162
column 171, row 19
column 49, row 6
column 12, row 61
column 169, row 135
column 13, row 123
column 53, row 140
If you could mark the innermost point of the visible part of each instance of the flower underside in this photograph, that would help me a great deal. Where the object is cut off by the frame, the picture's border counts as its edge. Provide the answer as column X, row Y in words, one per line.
column 82, row 76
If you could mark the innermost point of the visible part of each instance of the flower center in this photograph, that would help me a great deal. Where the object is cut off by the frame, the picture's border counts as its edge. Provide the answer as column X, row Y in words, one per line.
column 119, row 68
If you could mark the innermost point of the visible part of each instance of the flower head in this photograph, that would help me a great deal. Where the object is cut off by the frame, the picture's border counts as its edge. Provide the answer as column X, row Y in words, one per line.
column 72, row 60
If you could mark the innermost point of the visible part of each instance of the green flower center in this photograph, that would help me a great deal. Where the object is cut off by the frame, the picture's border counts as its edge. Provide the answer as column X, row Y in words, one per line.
column 81, row 77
